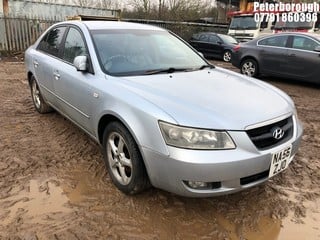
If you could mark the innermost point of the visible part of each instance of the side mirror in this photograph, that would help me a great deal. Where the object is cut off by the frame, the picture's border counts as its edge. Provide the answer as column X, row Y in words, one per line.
column 317, row 49
column 263, row 25
column 81, row 63
column 219, row 42
column 316, row 29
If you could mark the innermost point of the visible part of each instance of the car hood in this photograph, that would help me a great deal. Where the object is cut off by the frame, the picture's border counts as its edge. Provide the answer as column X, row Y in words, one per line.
column 214, row 99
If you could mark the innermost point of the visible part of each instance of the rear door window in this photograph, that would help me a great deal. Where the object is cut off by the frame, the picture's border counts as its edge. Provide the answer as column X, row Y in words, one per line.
column 204, row 38
column 213, row 39
column 278, row 41
column 52, row 40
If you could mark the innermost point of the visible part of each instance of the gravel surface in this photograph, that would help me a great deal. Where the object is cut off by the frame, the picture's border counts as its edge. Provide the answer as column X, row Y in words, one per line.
column 53, row 183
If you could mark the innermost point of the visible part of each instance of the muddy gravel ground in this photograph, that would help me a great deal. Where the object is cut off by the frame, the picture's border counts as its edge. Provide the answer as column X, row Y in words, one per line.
column 53, row 183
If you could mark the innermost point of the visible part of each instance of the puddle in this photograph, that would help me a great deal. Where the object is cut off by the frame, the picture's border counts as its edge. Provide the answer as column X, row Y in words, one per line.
column 309, row 228
column 36, row 202
column 267, row 229
column 291, row 227
column 47, row 208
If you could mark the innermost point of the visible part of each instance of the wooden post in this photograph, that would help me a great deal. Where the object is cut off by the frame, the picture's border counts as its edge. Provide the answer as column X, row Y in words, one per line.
column 5, row 7
column 5, row 14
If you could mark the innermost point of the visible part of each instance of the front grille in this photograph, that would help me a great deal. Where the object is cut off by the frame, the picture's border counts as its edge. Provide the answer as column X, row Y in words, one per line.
column 254, row 178
column 244, row 34
column 262, row 137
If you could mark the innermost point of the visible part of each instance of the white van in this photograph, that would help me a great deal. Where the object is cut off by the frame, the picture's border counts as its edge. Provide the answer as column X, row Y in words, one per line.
column 245, row 27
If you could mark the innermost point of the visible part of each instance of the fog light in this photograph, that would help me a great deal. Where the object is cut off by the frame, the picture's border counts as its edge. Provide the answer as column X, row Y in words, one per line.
column 198, row 184
column 202, row 185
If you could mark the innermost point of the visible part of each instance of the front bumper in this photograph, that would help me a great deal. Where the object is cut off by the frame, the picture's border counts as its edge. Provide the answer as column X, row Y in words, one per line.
column 235, row 59
column 234, row 170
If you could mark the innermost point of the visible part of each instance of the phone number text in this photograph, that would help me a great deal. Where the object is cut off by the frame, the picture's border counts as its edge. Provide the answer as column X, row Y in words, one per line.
column 286, row 17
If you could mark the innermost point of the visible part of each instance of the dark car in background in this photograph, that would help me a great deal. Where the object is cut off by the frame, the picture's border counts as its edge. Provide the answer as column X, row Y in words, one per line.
column 214, row 45
column 289, row 55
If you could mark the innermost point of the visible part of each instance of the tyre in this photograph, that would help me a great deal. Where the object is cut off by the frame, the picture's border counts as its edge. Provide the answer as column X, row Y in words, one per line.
column 123, row 160
column 40, row 105
column 249, row 67
column 227, row 56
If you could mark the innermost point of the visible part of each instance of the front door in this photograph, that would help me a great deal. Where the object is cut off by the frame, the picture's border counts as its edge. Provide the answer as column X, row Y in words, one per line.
column 72, row 87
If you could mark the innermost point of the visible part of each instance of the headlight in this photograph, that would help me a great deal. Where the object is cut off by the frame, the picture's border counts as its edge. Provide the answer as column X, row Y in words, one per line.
column 192, row 138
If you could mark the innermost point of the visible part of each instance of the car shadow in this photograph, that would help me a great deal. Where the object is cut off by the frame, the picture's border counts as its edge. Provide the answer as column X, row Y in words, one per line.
column 290, row 81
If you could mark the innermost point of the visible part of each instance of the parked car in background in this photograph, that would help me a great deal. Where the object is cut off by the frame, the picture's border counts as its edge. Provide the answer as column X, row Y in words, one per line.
column 161, row 113
column 290, row 55
column 214, row 45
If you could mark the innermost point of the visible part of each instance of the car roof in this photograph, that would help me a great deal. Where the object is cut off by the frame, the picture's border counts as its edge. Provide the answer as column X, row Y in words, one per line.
column 206, row 33
column 294, row 34
column 101, row 25
column 313, row 35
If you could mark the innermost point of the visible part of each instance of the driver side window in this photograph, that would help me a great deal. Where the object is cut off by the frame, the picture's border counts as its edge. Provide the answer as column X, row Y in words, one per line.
column 74, row 46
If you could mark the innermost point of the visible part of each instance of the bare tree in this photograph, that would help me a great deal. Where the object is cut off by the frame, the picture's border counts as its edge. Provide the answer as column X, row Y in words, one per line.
column 141, row 5
column 161, row 8
column 83, row 3
column 108, row 4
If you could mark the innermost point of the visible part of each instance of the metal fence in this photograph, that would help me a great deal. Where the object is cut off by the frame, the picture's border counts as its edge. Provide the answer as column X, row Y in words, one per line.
column 185, row 29
column 16, row 34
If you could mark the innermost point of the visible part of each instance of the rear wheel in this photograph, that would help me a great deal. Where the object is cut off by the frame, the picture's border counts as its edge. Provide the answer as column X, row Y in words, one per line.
column 123, row 160
column 40, row 105
column 249, row 67
column 227, row 56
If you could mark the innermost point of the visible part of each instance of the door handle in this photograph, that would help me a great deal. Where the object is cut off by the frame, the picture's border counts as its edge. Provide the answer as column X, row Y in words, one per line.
column 56, row 75
column 35, row 64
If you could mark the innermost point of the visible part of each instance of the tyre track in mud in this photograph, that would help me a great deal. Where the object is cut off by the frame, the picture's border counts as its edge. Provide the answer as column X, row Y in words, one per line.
column 53, row 184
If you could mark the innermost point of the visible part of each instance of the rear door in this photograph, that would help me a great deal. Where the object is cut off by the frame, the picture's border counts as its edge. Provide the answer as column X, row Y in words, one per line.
column 303, row 61
column 44, row 58
column 215, row 45
column 272, row 54
column 203, row 44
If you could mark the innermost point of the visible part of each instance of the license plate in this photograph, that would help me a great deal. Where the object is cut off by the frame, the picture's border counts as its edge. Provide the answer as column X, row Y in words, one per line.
column 280, row 161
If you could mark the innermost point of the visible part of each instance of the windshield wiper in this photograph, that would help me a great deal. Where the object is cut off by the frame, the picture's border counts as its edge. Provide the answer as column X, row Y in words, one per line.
column 206, row 66
column 167, row 70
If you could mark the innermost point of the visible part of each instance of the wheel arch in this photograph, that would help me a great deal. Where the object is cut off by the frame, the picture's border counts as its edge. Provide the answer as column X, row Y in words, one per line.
column 111, row 117
column 252, row 58
column 104, row 121
column 249, row 57
column 29, row 75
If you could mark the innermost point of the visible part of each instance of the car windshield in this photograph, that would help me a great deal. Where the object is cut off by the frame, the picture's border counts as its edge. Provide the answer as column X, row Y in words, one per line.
column 243, row 22
column 228, row 39
column 128, row 52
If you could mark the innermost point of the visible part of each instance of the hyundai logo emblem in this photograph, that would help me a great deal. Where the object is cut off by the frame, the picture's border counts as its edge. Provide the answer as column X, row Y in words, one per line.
column 278, row 133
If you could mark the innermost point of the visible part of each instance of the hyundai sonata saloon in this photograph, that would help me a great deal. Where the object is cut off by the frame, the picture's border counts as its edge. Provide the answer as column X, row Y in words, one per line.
column 162, row 114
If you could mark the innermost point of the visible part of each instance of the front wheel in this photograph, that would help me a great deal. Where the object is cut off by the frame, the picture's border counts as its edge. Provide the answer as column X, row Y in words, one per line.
column 249, row 67
column 123, row 160
column 227, row 56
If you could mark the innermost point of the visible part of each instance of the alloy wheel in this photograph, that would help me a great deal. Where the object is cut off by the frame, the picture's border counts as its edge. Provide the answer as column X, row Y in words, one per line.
column 36, row 95
column 248, row 68
column 119, row 158
column 227, row 56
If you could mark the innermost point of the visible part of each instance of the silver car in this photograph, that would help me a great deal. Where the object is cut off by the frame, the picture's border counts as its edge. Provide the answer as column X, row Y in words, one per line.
column 163, row 115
